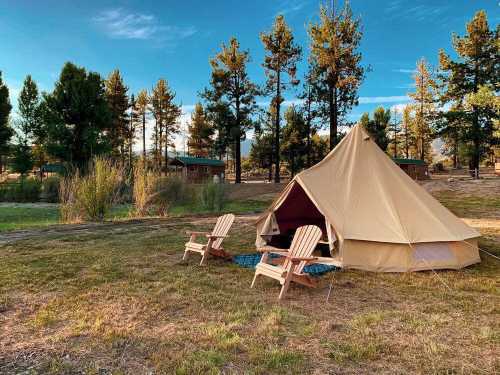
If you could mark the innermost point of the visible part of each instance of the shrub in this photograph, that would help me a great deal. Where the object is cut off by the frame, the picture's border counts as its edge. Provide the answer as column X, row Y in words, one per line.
column 171, row 191
column 212, row 196
column 91, row 196
column 50, row 189
column 144, row 186
column 26, row 190
column 69, row 210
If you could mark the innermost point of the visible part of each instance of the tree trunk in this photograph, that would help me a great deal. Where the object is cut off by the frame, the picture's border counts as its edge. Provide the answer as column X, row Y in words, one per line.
column 332, row 99
column 308, row 123
column 166, row 152
column 476, row 151
column 277, row 130
column 237, row 145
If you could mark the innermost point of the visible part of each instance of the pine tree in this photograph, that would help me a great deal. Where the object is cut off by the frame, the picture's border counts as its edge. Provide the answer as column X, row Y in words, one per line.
column 394, row 130
column 28, row 123
column 335, row 44
column 378, row 126
column 407, row 138
column 166, row 114
column 320, row 146
column 309, row 97
column 294, row 145
column 281, row 60
column 232, row 90
column 76, row 116
column 133, row 122
column 200, row 140
column 424, row 107
column 142, row 109
column 261, row 151
column 477, row 64
column 118, row 102
column 6, row 131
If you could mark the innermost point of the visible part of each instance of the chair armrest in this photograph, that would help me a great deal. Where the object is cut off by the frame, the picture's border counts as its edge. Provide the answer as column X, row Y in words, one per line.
column 270, row 249
column 301, row 259
column 190, row 232
column 215, row 236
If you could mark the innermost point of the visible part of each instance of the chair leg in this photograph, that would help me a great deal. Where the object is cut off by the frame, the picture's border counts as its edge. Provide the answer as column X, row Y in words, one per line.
column 203, row 258
column 286, row 284
column 254, row 279
column 185, row 255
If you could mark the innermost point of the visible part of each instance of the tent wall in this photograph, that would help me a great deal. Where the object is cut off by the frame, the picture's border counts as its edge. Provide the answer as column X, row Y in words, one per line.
column 391, row 257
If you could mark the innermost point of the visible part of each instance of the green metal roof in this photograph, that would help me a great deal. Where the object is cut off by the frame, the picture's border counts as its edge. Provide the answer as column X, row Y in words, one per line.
column 409, row 161
column 53, row 168
column 188, row 160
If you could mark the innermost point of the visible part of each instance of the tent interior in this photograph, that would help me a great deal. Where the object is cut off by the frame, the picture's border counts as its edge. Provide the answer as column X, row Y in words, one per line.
column 297, row 210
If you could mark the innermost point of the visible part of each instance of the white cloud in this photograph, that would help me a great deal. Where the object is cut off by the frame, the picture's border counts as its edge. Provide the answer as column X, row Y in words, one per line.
column 382, row 99
column 291, row 6
column 121, row 24
column 398, row 107
column 406, row 71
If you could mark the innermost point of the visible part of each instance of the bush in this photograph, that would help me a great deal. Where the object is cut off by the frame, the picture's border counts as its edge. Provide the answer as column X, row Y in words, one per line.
column 212, row 196
column 144, row 186
column 171, row 191
column 50, row 189
column 69, row 210
column 26, row 190
column 90, row 197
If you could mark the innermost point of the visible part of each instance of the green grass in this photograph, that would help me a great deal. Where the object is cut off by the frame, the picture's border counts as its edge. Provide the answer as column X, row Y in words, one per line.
column 20, row 216
column 13, row 218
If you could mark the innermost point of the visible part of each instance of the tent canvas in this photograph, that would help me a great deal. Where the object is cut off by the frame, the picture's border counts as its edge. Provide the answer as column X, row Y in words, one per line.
column 379, row 217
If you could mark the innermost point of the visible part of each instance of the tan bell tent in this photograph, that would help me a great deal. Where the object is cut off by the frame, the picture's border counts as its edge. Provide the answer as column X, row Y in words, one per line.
column 374, row 216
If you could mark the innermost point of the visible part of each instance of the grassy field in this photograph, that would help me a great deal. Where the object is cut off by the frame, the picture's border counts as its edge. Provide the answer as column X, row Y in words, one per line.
column 32, row 216
column 120, row 300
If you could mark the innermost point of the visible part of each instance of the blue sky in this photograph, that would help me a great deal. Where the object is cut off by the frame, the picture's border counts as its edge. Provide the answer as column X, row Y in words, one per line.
column 150, row 39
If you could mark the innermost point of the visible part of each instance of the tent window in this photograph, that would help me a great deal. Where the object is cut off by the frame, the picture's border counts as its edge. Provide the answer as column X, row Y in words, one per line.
column 436, row 251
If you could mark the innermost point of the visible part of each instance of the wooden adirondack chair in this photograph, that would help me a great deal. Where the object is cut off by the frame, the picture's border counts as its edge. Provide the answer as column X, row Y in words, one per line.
column 303, row 244
column 214, row 244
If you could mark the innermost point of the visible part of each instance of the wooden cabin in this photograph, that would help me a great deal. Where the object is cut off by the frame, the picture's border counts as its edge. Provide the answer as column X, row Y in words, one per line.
column 197, row 170
column 415, row 168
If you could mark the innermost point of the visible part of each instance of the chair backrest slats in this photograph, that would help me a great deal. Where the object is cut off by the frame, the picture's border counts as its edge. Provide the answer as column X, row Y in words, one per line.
column 303, row 244
column 222, row 228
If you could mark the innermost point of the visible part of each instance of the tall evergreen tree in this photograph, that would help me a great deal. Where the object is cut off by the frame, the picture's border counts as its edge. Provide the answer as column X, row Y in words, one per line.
column 407, row 138
column 282, row 55
column 142, row 109
column 477, row 64
column 200, row 140
column 335, row 44
column 309, row 97
column 29, row 123
column 378, row 126
column 261, row 151
column 118, row 102
column 134, row 121
column 394, row 131
column 76, row 116
column 294, row 143
column 424, row 107
column 166, row 114
column 231, row 88
column 6, row 131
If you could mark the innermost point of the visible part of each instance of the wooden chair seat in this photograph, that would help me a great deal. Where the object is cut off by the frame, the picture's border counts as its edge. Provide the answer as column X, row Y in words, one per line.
column 213, row 245
column 295, row 259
